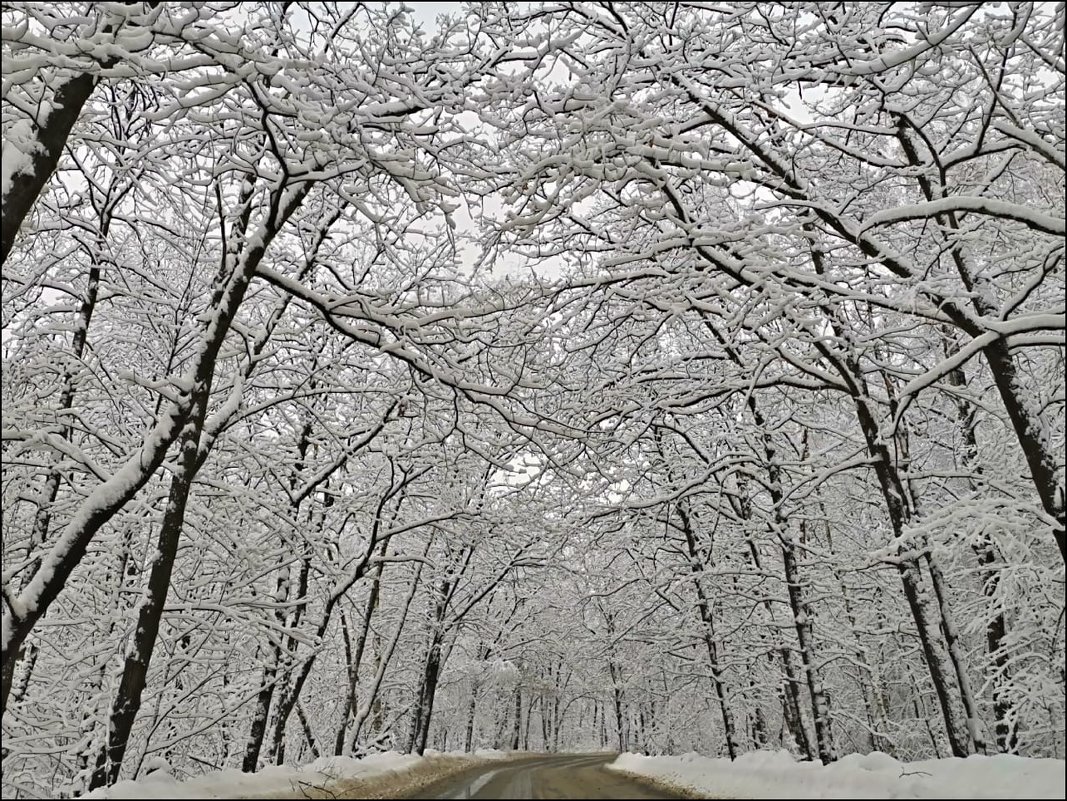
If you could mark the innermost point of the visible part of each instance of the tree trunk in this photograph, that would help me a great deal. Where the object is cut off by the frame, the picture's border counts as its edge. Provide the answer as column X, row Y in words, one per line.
column 357, row 654
column 603, row 724
column 372, row 704
column 259, row 722
column 876, row 717
column 895, row 495
column 435, row 656
column 707, row 619
column 420, row 730
column 139, row 657
column 1005, row 728
column 26, row 185
column 42, row 518
column 517, row 729
column 543, row 711
column 797, row 602
column 306, row 727
column 948, row 629
column 759, row 725
column 107, row 498
column 468, row 743
column 291, row 696
column 1030, row 427
column 802, row 620
column 556, row 722
column 976, row 742
column 790, row 688
column 254, row 745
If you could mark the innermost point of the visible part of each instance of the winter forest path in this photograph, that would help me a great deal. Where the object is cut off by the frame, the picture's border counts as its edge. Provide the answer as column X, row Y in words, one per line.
column 548, row 776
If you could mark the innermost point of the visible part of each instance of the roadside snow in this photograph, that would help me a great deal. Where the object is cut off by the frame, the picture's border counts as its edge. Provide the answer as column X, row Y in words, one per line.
column 774, row 774
column 374, row 776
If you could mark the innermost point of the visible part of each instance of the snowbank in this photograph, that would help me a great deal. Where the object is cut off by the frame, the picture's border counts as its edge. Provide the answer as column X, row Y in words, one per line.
column 767, row 774
column 374, row 776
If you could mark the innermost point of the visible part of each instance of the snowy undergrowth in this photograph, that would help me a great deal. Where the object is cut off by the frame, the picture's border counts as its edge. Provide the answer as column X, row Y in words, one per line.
column 775, row 774
column 375, row 776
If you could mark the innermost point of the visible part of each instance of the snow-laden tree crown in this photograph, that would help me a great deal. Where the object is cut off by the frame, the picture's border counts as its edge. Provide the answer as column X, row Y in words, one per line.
column 646, row 376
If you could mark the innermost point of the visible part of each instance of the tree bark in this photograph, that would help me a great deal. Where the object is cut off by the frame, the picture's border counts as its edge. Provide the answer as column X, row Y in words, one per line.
column 468, row 741
column 139, row 657
column 42, row 518
column 778, row 526
column 52, row 135
column 1005, row 728
column 1030, row 429
column 371, row 704
column 895, row 495
column 420, row 730
column 110, row 496
column 707, row 618
column 306, row 728
column 517, row 730
column 876, row 716
column 250, row 761
column 802, row 620
column 357, row 654
column 797, row 602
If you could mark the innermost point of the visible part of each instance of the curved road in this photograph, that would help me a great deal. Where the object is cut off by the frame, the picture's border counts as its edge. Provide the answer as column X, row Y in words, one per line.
column 549, row 776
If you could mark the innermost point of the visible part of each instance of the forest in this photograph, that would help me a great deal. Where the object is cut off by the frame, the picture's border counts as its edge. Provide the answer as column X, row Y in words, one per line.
column 645, row 376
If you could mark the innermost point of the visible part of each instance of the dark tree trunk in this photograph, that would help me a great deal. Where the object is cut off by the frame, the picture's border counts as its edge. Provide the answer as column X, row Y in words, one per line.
column 517, row 729
column 259, row 720
column 290, row 697
column 895, row 496
column 1005, row 728
column 620, row 726
column 802, row 620
column 420, row 731
column 26, row 185
column 135, row 670
column 759, row 725
column 374, row 707
column 357, row 654
column 234, row 276
column 105, row 501
column 1029, row 427
column 708, row 620
column 790, row 688
column 468, row 743
column 306, row 727
column 42, row 519
column 802, row 613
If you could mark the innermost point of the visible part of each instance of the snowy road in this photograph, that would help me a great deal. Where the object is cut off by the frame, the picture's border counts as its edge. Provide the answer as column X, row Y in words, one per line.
column 550, row 776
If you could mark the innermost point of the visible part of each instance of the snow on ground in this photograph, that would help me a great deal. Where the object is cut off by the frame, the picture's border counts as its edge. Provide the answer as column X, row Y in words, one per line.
column 774, row 774
column 375, row 776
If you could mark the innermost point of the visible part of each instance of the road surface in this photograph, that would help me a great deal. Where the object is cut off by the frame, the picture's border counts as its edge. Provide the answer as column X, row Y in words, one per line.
column 549, row 776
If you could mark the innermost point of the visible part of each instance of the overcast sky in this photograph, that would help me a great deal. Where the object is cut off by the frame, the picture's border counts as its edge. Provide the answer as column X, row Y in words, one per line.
column 426, row 13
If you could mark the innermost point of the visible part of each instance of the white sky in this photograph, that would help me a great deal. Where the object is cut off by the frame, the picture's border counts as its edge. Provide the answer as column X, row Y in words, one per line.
column 427, row 12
